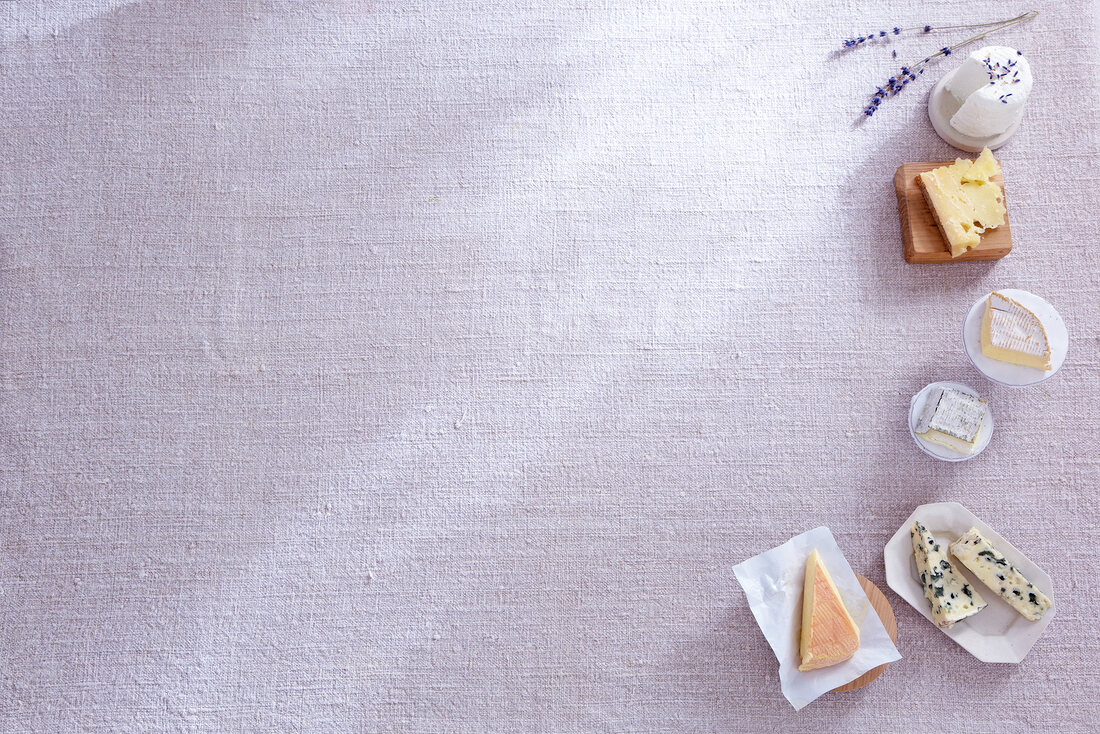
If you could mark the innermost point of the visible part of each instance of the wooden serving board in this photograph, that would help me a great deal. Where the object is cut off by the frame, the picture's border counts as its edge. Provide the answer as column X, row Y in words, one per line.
column 921, row 238
column 886, row 614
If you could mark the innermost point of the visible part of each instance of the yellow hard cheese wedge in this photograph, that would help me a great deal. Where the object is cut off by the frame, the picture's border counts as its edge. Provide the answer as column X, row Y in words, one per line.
column 829, row 636
column 964, row 201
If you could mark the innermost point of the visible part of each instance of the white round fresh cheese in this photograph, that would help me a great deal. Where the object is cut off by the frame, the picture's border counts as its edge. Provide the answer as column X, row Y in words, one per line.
column 991, row 86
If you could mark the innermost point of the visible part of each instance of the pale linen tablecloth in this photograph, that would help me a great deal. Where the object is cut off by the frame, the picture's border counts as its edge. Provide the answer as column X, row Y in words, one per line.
column 401, row 366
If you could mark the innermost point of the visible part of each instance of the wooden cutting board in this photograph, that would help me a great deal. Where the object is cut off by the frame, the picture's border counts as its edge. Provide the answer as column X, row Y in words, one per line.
column 921, row 238
column 886, row 614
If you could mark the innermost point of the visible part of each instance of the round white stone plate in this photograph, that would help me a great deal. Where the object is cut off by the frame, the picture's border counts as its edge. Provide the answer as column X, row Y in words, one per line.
column 916, row 405
column 942, row 107
column 997, row 634
column 1014, row 375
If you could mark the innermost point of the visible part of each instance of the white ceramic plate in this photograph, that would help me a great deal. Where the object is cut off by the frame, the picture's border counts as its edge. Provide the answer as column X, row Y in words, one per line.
column 942, row 106
column 997, row 634
column 1014, row 375
column 916, row 405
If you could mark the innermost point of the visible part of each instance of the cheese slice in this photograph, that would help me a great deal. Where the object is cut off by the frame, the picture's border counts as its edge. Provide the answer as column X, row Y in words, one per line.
column 950, row 597
column 829, row 636
column 982, row 169
column 994, row 570
column 1011, row 333
column 964, row 201
column 951, row 418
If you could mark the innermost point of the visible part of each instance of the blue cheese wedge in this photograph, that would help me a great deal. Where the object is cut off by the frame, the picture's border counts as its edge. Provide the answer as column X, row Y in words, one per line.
column 994, row 570
column 951, row 418
column 950, row 597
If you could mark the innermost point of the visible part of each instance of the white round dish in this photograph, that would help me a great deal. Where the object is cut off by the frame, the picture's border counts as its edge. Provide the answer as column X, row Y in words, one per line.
column 1014, row 375
column 916, row 405
column 942, row 106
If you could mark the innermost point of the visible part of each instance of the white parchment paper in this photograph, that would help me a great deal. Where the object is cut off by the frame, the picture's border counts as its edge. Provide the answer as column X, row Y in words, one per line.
column 773, row 583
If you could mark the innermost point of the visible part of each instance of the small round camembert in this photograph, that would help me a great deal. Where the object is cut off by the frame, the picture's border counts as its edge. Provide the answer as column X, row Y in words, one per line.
column 1015, row 338
column 950, row 421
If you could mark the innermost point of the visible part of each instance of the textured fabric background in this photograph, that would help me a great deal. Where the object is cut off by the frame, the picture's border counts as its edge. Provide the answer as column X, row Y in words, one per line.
column 401, row 366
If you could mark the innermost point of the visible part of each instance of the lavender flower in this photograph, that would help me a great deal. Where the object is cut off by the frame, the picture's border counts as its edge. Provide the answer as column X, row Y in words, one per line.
column 898, row 82
column 860, row 40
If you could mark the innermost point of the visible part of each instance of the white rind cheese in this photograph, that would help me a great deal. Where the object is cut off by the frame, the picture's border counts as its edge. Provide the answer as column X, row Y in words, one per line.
column 994, row 570
column 951, row 418
column 950, row 597
column 1012, row 333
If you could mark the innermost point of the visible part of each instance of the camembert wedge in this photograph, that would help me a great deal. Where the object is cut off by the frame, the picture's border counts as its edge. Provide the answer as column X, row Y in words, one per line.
column 965, row 202
column 994, row 570
column 829, row 636
column 950, row 597
column 1011, row 333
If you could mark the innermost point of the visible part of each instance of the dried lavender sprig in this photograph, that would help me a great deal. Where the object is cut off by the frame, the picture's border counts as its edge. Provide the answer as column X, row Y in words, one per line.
column 896, row 31
column 860, row 40
column 1011, row 21
column 898, row 82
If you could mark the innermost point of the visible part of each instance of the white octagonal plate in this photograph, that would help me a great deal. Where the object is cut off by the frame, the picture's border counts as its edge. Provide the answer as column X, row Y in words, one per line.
column 997, row 634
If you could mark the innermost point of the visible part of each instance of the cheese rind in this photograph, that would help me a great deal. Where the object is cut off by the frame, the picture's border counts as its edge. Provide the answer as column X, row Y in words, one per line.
column 951, row 418
column 994, row 570
column 949, row 596
column 829, row 635
column 964, row 200
column 1011, row 333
